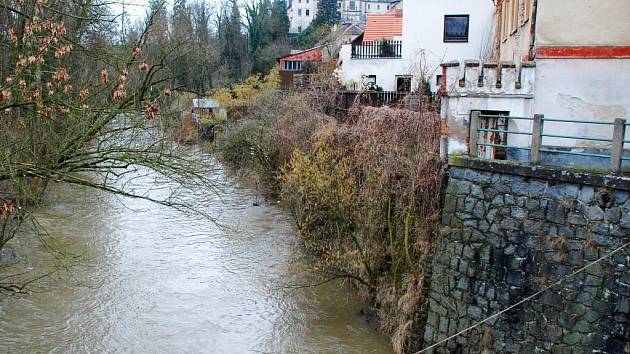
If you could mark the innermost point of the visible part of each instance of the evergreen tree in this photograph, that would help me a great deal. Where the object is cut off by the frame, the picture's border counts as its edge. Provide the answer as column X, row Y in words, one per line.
column 327, row 11
column 280, row 20
column 232, row 43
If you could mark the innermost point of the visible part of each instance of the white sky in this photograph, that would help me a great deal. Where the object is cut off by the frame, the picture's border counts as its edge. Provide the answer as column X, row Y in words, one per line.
column 136, row 9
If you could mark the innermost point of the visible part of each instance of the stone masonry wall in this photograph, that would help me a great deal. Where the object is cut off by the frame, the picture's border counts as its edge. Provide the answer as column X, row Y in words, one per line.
column 506, row 236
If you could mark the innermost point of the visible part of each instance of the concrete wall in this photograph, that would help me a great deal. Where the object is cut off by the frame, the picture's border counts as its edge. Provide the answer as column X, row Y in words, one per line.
column 583, row 23
column 473, row 86
column 506, row 236
column 351, row 71
column 585, row 89
column 423, row 34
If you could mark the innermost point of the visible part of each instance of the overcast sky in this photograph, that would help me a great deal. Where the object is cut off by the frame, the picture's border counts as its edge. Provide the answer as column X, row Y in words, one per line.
column 136, row 9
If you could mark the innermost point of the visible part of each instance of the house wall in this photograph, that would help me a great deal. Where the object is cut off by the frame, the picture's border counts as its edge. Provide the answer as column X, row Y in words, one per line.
column 584, row 89
column 303, row 21
column 583, row 23
column 423, row 34
column 514, row 20
column 350, row 72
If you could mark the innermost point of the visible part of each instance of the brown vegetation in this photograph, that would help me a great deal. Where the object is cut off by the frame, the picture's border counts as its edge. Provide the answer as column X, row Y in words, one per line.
column 364, row 192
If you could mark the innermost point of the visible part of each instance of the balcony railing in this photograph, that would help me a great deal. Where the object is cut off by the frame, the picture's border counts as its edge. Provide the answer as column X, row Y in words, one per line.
column 369, row 98
column 492, row 131
column 377, row 50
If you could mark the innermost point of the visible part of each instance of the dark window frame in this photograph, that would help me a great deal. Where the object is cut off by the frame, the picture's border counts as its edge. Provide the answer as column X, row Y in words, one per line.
column 461, row 39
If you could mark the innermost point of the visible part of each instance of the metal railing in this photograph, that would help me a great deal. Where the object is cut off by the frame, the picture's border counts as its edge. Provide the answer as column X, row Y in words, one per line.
column 537, row 133
column 377, row 50
column 369, row 98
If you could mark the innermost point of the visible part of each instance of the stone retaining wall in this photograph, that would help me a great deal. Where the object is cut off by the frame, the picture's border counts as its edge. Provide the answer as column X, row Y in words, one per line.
column 506, row 236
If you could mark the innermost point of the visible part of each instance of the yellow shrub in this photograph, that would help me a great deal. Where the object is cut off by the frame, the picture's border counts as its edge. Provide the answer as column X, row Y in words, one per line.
column 243, row 93
column 321, row 189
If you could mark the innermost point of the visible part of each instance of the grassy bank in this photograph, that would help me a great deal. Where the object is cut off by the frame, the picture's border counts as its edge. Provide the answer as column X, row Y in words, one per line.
column 364, row 193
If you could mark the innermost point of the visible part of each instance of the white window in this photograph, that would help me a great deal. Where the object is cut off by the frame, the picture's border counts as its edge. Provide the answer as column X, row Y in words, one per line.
column 293, row 65
column 299, row 12
column 307, row 13
column 378, row 7
column 369, row 80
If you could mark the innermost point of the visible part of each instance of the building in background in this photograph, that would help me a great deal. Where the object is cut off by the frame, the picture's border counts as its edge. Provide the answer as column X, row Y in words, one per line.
column 356, row 11
column 301, row 13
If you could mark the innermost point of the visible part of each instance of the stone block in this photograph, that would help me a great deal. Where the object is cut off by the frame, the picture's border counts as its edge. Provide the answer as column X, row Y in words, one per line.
column 518, row 213
column 613, row 215
column 556, row 213
column 587, row 194
column 594, row 213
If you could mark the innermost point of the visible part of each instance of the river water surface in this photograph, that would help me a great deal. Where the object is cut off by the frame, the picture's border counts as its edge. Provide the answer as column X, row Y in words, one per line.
column 136, row 277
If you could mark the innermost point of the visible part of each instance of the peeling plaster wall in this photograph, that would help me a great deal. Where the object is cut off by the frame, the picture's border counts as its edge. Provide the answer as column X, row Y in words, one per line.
column 583, row 23
column 584, row 89
column 471, row 86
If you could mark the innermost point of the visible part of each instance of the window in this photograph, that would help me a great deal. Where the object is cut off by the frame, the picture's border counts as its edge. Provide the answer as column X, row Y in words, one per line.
column 369, row 80
column 293, row 65
column 368, row 6
column 403, row 83
column 456, row 28
column 438, row 80
column 351, row 6
column 299, row 12
column 299, row 28
column 378, row 7
column 308, row 12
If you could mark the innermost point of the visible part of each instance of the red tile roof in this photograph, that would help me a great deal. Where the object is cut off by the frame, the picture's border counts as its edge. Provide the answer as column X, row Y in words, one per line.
column 383, row 26
column 313, row 54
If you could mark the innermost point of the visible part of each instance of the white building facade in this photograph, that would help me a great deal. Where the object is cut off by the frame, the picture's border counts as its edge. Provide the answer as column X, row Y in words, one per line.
column 301, row 13
column 356, row 11
column 432, row 32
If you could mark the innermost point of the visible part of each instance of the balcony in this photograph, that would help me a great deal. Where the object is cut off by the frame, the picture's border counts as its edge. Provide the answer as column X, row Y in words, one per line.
column 377, row 50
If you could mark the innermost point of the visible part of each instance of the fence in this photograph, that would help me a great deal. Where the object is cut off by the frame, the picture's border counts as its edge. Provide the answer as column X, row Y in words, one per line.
column 495, row 136
column 370, row 98
column 377, row 50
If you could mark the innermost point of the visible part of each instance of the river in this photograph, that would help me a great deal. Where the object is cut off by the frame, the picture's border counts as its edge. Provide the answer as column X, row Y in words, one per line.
column 135, row 277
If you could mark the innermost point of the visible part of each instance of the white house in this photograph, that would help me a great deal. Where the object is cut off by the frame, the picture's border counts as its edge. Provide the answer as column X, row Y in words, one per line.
column 439, row 31
column 374, row 59
column 431, row 32
column 301, row 13
column 564, row 62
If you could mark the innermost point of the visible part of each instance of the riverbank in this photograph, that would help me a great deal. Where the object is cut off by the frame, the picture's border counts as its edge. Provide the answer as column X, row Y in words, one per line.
column 152, row 279
column 363, row 191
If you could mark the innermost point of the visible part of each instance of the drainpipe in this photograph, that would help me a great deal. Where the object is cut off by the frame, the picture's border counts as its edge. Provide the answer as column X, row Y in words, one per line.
column 532, row 44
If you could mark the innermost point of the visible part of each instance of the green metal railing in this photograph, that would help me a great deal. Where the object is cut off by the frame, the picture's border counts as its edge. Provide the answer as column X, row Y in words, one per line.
column 617, row 140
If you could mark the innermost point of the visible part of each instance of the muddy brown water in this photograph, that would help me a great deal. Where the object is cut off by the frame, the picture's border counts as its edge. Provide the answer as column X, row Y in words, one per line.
column 135, row 277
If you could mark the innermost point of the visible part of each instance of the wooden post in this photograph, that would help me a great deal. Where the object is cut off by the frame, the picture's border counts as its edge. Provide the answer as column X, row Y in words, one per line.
column 537, row 130
column 473, row 135
column 619, row 133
